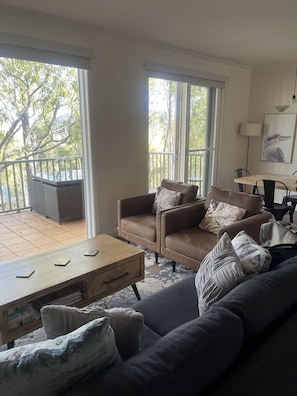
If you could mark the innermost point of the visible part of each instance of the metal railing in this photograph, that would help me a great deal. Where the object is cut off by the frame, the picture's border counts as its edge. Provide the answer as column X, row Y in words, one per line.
column 15, row 175
column 161, row 166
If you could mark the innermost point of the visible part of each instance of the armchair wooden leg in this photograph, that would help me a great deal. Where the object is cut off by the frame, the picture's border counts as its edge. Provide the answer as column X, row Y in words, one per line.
column 134, row 287
column 156, row 258
column 173, row 266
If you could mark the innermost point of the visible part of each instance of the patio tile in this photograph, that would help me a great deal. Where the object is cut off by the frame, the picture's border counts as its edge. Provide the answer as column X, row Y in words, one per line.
column 26, row 233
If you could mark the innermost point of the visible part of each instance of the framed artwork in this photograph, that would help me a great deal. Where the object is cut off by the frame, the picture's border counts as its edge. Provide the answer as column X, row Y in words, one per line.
column 278, row 137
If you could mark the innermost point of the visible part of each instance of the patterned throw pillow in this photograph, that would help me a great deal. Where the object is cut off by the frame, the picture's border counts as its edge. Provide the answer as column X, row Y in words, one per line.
column 165, row 199
column 126, row 323
column 219, row 215
column 254, row 258
column 50, row 367
column 219, row 272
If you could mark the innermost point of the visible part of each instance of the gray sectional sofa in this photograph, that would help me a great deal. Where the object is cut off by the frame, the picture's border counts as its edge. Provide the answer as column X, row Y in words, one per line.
column 245, row 344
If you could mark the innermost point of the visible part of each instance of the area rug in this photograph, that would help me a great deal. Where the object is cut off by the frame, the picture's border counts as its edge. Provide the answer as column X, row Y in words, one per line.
column 157, row 277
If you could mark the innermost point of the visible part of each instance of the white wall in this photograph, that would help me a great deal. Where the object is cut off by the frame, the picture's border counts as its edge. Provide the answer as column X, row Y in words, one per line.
column 119, row 110
column 270, row 87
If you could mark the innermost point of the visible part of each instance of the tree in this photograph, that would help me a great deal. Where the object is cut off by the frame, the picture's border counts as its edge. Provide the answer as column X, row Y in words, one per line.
column 39, row 111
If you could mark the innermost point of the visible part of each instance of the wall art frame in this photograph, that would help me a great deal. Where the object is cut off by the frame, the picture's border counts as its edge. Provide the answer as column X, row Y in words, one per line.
column 278, row 137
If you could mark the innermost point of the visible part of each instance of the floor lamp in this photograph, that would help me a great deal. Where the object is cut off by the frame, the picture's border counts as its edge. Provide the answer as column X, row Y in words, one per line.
column 250, row 129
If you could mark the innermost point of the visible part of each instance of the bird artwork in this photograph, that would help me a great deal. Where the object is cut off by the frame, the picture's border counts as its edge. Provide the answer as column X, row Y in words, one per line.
column 272, row 150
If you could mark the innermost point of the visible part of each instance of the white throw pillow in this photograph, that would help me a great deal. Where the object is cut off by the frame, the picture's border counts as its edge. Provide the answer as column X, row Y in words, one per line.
column 219, row 272
column 126, row 323
column 219, row 215
column 254, row 258
column 165, row 199
column 50, row 367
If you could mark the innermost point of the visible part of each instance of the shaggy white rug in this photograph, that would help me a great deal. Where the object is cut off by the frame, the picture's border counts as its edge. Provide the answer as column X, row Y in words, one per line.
column 157, row 277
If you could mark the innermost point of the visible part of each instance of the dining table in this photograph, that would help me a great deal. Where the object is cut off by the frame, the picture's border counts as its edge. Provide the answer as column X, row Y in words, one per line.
column 251, row 180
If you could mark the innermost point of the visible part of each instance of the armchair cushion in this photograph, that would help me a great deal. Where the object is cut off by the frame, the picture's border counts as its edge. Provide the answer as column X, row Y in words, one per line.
column 165, row 199
column 252, row 203
column 188, row 191
column 220, row 214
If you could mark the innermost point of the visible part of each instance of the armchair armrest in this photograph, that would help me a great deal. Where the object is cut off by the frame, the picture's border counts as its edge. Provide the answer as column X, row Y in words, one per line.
column 133, row 206
column 251, row 225
column 185, row 216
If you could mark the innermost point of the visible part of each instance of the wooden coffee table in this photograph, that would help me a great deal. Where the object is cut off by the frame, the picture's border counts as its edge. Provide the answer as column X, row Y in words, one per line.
column 83, row 280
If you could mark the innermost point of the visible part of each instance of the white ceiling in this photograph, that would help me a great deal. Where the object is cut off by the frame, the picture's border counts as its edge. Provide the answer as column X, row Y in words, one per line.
column 249, row 32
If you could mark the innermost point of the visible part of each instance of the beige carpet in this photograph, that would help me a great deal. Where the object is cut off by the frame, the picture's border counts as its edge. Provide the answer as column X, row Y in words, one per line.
column 157, row 277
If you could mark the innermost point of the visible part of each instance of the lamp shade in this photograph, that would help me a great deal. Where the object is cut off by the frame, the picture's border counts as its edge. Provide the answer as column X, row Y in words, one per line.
column 250, row 129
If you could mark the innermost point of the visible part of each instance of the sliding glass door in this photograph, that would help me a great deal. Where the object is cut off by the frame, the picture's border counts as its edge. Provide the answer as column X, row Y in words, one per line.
column 181, row 132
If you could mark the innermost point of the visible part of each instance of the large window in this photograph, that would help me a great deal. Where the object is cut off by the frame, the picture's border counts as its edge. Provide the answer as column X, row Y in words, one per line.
column 62, row 121
column 182, row 130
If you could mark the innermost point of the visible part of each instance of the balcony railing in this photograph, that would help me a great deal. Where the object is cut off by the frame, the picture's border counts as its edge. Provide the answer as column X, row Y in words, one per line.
column 161, row 166
column 14, row 177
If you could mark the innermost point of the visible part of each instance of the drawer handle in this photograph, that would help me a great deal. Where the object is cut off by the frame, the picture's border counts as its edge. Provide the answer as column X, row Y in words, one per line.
column 115, row 279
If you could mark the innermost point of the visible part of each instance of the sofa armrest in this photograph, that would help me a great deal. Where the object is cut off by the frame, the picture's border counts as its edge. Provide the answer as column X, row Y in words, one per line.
column 185, row 216
column 133, row 206
column 251, row 225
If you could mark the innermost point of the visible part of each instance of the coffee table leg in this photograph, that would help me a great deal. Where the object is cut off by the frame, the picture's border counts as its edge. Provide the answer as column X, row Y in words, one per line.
column 134, row 287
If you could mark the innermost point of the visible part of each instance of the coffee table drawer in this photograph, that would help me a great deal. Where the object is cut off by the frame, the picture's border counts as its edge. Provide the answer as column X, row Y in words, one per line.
column 116, row 278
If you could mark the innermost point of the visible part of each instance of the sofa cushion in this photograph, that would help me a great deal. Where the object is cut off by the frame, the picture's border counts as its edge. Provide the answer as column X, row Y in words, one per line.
column 125, row 322
column 183, row 362
column 252, row 203
column 219, row 215
column 143, row 224
column 219, row 272
column 171, row 307
column 265, row 299
column 188, row 191
column 253, row 257
column 49, row 367
column 165, row 199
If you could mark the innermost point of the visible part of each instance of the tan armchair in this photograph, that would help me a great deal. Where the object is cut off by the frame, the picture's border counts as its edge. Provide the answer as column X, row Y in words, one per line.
column 184, row 242
column 138, row 224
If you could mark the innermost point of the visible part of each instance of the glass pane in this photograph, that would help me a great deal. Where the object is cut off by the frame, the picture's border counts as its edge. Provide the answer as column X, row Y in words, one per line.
column 200, row 156
column 162, row 124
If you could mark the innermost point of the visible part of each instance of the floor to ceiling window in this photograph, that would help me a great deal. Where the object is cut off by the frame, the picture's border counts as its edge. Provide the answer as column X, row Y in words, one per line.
column 44, row 116
column 182, row 115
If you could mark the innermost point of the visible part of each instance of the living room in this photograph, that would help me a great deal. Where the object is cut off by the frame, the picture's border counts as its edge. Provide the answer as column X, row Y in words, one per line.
column 118, row 106
column 250, row 335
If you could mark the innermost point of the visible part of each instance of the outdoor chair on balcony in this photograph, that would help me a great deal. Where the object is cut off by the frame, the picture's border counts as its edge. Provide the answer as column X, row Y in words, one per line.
column 139, row 217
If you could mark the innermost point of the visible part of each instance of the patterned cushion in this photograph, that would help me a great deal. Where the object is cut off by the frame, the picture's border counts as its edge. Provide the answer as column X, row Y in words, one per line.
column 165, row 199
column 254, row 258
column 220, row 214
column 219, row 272
column 125, row 322
column 49, row 367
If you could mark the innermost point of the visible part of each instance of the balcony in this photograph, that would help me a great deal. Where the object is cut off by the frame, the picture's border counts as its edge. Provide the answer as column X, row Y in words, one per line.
column 24, row 231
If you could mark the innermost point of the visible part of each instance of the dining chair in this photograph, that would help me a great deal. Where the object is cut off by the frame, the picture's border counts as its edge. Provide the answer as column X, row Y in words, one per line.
column 292, row 198
column 241, row 172
column 279, row 210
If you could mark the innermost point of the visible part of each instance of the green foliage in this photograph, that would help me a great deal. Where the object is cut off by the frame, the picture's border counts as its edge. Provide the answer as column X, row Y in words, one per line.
column 39, row 110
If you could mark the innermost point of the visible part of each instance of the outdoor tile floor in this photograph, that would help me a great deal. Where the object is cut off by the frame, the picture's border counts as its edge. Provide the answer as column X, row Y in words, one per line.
column 26, row 233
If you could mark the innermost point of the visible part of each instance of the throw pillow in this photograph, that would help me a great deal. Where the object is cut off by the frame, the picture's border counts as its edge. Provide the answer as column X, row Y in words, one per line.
column 220, row 214
column 219, row 272
column 126, row 323
column 165, row 199
column 50, row 367
column 254, row 258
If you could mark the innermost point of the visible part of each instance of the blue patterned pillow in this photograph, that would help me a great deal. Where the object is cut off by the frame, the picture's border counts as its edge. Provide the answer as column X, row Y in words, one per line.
column 49, row 367
column 254, row 258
